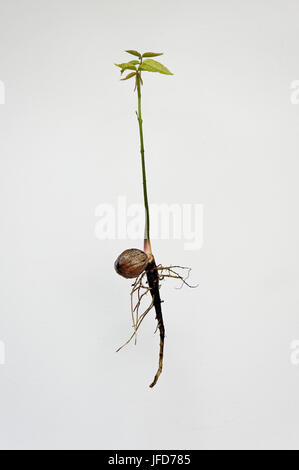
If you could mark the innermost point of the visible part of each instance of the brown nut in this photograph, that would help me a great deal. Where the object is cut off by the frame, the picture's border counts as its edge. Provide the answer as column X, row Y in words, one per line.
column 131, row 263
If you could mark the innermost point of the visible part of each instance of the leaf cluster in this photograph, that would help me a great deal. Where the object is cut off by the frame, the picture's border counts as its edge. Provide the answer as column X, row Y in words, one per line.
column 144, row 63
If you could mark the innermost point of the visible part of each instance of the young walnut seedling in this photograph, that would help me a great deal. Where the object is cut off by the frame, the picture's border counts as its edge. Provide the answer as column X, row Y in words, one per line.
column 135, row 263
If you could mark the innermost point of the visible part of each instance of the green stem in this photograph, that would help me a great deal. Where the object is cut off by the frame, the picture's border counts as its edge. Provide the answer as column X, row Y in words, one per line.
column 147, row 244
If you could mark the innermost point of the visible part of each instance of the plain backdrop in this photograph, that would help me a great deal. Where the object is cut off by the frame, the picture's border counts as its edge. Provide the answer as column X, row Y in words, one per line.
column 221, row 132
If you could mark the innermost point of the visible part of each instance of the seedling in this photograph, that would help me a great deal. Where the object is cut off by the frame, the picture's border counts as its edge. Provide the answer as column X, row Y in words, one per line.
column 135, row 263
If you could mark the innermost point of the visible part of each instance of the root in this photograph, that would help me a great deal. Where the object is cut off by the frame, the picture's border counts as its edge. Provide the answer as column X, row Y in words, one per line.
column 154, row 275
column 161, row 353
column 136, row 327
column 154, row 284
column 141, row 290
column 170, row 272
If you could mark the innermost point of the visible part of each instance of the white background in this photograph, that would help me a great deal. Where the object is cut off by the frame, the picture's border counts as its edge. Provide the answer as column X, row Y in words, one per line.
column 222, row 132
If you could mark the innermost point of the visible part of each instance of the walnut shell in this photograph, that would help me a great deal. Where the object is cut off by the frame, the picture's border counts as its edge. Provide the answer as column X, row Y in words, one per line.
column 131, row 263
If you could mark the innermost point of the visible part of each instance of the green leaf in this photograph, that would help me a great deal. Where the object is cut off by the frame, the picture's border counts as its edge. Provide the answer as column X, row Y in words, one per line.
column 134, row 53
column 126, row 66
column 132, row 74
column 151, row 65
column 152, row 54
column 133, row 62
